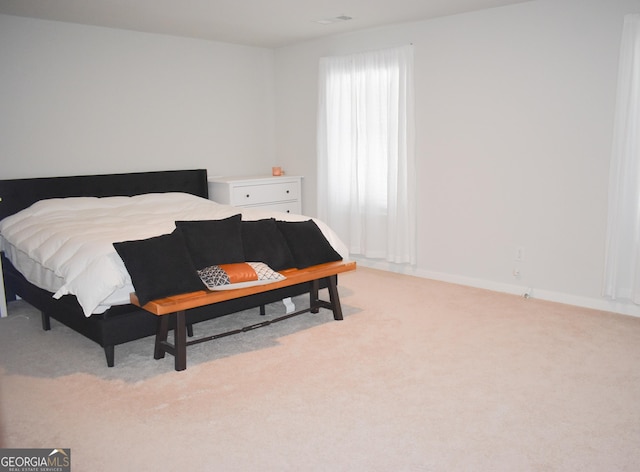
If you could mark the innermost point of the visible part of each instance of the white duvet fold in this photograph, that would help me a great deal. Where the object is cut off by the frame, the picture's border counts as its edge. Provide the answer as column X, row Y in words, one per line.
column 73, row 237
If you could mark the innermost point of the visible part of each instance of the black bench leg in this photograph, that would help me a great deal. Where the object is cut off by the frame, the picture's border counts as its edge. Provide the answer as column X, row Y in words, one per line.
column 332, row 282
column 179, row 347
column 180, row 341
column 334, row 304
column 314, row 297
column 161, row 337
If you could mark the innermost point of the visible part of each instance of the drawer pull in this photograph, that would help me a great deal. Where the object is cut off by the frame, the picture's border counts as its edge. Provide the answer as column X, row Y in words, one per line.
column 287, row 191
column 247, row 195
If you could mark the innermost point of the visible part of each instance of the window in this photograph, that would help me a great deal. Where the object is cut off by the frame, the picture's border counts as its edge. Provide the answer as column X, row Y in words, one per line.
column 366, row 189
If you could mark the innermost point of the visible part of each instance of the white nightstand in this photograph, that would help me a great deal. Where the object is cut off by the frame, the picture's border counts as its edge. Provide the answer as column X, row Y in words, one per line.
column 269, row 193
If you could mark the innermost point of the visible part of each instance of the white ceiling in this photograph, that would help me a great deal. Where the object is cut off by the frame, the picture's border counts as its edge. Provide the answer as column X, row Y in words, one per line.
column 263, row 23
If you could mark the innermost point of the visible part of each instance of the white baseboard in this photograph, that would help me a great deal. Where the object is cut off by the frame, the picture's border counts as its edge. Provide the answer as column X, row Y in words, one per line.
column 548, row 295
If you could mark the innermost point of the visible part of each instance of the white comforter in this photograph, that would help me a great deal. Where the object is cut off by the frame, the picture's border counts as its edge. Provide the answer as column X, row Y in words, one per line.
column 72, row 237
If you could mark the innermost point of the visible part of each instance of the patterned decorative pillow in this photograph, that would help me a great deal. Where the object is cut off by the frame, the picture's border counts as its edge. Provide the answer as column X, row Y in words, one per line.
column 238, row 275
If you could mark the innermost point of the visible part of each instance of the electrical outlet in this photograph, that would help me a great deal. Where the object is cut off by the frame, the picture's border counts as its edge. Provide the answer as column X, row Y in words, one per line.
column 519, row 256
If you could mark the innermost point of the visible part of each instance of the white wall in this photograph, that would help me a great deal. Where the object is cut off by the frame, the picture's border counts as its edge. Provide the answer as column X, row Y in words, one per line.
column 514, row 111
column 81, row 99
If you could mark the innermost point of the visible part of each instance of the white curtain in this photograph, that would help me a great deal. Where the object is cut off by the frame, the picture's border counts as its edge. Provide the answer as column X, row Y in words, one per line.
column 622, row 264
column 366, row 169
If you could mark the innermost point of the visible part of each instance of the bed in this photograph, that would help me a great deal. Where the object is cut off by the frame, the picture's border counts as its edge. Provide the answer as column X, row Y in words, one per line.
column 111, row 320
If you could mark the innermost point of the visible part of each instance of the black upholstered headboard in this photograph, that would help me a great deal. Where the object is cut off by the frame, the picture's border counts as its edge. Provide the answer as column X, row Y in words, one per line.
column 18, row 194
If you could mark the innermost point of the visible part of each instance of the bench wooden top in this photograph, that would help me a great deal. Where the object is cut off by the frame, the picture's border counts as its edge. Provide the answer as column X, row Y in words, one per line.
column 186, row 301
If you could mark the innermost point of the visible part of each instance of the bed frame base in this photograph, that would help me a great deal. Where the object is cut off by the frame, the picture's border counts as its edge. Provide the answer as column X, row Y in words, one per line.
column 121, row 324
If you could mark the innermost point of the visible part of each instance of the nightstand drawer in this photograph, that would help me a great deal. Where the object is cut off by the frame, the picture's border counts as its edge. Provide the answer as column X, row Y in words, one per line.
column 267, row 193
column 286, row 207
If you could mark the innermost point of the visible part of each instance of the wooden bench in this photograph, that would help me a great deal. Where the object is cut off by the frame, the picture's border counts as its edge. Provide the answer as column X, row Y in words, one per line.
column 176, row 306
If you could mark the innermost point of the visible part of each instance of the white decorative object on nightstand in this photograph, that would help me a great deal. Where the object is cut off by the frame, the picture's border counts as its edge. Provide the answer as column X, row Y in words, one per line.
column 282, row 193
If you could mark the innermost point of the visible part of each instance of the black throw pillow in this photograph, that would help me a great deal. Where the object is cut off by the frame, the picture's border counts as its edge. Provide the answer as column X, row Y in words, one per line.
column 159, row 267
column 307, row 243
column 263, row 242
column 213, row 242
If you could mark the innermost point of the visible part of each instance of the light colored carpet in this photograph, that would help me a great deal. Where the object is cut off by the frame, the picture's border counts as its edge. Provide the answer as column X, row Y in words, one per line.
column 420, row 376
